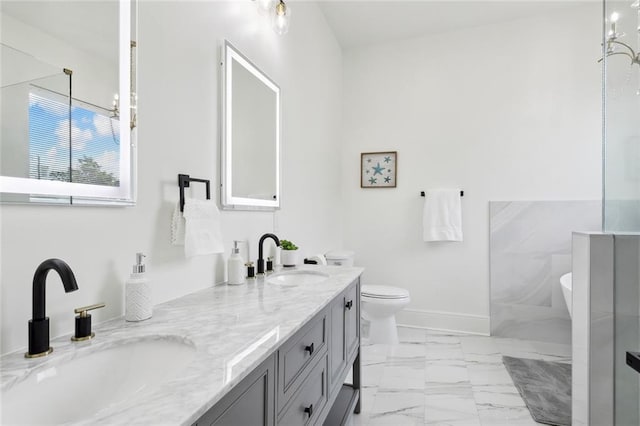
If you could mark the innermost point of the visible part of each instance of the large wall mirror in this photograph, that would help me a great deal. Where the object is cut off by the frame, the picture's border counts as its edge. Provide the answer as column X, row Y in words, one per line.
column 68, row 101
column 250, row 151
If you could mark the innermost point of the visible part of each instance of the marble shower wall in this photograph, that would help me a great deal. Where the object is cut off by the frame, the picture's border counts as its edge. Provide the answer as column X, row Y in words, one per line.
column 530, row 249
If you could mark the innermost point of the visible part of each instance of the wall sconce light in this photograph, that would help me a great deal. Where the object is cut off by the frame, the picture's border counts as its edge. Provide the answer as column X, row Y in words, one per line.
column 281, row 18
column 279, row 13
column 613, row 37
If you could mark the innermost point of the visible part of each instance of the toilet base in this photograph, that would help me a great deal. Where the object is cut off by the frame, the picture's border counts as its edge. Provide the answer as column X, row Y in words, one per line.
column 379, row 305
column 383, row 331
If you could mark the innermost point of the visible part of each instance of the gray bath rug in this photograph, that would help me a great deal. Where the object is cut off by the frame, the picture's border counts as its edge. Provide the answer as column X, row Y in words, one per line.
column 545, row 387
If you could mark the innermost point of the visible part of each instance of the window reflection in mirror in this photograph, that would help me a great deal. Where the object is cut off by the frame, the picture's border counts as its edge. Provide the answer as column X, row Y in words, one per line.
column 64, row 137
column 251, row 135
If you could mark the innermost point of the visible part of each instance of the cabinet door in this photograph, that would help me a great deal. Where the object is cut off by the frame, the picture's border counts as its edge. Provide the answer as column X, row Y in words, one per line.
column 251, row 402
column 352, row 320
column 337, row 353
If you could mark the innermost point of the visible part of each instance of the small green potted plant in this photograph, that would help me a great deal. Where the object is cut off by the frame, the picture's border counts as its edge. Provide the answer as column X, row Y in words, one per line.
column 289, row 255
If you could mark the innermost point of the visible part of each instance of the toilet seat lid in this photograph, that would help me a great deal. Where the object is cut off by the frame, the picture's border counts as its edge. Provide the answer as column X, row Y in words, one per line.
column 383, row 292
column 339, row 255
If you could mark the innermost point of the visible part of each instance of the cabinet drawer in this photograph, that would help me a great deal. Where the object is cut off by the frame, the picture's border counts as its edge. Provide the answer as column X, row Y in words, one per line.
column 309, row 399
column 306, row 346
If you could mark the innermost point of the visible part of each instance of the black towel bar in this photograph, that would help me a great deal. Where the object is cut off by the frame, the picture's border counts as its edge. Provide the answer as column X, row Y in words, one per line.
column 184, row 181
column 422, row 193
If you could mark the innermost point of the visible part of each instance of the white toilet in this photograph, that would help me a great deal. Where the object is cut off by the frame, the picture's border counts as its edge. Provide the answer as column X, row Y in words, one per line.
column 379, row 303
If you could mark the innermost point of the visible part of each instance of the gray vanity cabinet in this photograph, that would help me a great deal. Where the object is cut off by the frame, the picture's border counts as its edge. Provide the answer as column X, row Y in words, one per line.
column 345, row 333
column 306, row 405
column 302, row 382
column 297, row 354
column 352, row 321
column 337, row 349
column 251, row 402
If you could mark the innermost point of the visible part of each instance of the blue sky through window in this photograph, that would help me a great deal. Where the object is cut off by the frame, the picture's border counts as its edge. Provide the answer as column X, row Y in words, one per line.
column 94, row 135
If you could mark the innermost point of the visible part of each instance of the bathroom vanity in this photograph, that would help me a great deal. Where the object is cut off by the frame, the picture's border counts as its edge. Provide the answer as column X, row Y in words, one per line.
column 275, row 351
column 302, row 382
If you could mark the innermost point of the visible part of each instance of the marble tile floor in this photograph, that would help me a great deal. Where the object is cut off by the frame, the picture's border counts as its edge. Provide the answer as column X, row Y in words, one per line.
column 439, row 378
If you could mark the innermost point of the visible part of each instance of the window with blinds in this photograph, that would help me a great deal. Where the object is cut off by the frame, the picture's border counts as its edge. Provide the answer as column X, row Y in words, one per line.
column 78, row 143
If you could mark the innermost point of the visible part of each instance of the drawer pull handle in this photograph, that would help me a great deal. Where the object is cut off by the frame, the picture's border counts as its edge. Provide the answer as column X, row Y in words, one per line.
column 309, row 349
column 309, row 410
column 349, row 304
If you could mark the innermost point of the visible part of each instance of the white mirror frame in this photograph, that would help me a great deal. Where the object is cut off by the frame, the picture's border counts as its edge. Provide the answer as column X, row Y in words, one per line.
column 125, row 193
column 228, row 201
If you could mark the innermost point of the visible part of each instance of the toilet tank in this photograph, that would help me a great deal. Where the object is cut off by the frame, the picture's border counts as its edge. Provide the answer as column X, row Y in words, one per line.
column 340, row 257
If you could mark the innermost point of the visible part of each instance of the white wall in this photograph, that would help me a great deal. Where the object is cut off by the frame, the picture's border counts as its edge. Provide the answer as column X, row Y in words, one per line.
column 505, row 112
column 178, row 133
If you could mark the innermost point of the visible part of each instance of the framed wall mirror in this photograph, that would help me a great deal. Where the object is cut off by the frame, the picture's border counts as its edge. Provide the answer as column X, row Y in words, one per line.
column 68, row 101
column 250, row 148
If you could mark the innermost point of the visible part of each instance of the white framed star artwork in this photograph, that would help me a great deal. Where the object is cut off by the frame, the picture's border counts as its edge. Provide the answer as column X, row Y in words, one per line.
column 378, row 169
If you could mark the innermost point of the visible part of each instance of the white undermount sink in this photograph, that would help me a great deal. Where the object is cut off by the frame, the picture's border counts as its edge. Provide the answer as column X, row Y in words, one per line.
column 79, row 387
column 296, row 278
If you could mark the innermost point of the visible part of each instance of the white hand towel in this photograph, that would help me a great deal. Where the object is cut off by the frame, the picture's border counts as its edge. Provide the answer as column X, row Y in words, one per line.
column 203, row 234
column 177, row 227
column 442, row 215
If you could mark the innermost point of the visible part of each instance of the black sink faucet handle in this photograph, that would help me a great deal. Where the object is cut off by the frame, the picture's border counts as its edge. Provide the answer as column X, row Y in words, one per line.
column 83, row 322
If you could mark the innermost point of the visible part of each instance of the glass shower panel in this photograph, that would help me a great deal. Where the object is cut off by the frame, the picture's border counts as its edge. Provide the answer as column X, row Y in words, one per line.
column 621, row 191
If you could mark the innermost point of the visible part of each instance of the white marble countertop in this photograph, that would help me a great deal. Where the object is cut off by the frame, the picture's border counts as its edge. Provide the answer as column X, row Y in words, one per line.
column 233, row 329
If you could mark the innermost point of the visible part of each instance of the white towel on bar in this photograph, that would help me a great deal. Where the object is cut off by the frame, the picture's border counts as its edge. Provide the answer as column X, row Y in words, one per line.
column 442, row 215
column 177, row 226
column 203, row 233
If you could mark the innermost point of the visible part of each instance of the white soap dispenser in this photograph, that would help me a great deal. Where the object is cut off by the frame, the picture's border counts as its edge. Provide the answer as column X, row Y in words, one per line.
column 138, row 304
column 235, row 267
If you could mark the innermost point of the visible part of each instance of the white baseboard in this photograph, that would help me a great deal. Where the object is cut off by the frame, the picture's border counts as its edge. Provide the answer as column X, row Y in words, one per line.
column 444, row 321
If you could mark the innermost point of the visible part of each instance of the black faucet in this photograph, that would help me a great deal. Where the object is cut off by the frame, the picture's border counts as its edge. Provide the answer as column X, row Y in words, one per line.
column 39, row 324
column 260, row 259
